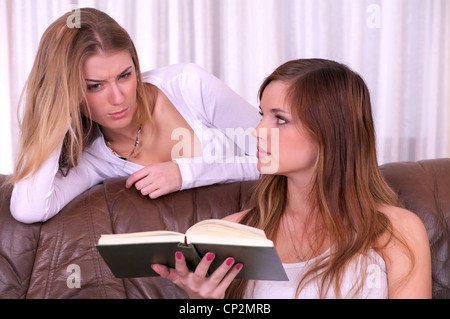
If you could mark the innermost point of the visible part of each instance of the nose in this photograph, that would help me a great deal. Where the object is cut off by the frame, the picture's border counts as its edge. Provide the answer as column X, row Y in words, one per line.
column 116, row 96
column 260, row 131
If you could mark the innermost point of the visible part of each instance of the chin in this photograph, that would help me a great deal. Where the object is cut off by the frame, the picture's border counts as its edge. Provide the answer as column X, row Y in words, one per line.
column 268, row 169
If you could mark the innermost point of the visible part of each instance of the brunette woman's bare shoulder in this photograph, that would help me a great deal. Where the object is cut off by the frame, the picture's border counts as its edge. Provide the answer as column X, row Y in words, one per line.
column 403, row 220
column 409, row 277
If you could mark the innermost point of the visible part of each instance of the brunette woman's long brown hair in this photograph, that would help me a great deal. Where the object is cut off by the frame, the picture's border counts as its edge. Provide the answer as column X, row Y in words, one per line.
column 54, row 94
column 333, row 103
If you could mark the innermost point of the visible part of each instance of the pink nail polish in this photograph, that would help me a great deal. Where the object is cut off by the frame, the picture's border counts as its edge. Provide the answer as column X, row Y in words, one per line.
column 209, row 257
column 239, row 266
column 179, row 255
column 230, row 261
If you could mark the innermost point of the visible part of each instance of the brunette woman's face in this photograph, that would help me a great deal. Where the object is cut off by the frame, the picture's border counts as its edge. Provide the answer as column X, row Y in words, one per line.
column 285, row 147
column 111, row 89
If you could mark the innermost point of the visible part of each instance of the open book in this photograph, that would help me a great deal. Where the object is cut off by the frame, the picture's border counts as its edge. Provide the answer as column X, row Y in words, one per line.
column 131, row 255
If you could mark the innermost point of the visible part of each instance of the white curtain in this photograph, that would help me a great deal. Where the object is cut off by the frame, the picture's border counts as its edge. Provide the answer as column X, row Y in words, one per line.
column 400, row 47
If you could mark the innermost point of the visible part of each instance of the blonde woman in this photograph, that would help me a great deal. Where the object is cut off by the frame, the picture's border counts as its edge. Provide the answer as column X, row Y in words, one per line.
column 90, row 114
column 334, row 221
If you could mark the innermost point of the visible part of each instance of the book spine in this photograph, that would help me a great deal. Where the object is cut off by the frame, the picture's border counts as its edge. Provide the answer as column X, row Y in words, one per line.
column 191, row 254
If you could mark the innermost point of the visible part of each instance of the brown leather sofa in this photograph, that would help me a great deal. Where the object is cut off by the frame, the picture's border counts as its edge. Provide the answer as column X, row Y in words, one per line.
column 58, row 259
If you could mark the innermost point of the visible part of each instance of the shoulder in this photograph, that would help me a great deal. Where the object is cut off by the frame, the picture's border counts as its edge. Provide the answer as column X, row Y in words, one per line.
column 405, row 222
column 183, row 81
column 174, row 71
column 407, row 227
column 407, row 255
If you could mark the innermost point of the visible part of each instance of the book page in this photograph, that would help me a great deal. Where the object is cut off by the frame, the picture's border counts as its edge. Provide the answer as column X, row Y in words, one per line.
column 217, row 231
column 141, row 237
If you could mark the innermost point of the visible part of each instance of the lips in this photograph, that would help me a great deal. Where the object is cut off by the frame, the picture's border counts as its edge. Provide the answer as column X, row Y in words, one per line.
column 262, row 153
column 118, row 115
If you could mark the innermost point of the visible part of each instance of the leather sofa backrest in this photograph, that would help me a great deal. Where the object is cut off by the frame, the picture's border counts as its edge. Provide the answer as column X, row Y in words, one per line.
column 18, row 245
column 68, row 240
column 424, row 188
column 58, row 259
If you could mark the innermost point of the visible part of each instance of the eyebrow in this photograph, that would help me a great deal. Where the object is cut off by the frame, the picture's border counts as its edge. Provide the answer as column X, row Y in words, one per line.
column 275, row 110
column 100, row 81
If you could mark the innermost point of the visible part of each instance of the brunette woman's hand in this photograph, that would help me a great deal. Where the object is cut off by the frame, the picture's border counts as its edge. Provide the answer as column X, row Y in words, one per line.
column 156, row 179
column 196, row 284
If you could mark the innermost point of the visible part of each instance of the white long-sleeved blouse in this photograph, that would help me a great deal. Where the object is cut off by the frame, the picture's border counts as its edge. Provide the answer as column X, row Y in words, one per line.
column 221, row 119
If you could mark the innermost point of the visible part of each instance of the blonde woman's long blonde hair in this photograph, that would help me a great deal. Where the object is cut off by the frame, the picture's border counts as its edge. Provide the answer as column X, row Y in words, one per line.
column 54, row 94
column 333, row 103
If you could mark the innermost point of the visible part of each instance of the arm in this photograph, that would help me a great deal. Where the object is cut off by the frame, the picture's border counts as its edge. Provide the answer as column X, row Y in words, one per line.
column 200, row 172
column 40, row 197
column 221, row 119
column 229, row 148
column 408, row 278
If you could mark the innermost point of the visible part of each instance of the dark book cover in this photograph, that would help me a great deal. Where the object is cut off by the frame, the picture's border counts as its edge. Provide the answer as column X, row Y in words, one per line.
column 135, row 260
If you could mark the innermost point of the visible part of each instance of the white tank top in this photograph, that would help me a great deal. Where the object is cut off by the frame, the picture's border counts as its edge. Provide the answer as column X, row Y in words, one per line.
column 374, row 287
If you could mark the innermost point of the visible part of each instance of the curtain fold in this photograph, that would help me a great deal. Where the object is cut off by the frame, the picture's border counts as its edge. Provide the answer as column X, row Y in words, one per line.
column 400, row 47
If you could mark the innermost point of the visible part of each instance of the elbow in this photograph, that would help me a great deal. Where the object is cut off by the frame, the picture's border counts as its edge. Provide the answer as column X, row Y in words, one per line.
column 27, row 209
column 26, row 215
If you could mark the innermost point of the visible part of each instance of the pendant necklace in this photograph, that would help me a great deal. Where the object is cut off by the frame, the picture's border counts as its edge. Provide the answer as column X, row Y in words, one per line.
column 136, row 143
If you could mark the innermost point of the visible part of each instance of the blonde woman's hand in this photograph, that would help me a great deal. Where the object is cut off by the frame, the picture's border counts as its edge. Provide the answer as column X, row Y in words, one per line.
column 197, row 284
column 156, row 179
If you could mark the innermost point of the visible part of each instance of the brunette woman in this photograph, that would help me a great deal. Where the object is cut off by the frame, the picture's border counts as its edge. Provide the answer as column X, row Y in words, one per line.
column 336, row 224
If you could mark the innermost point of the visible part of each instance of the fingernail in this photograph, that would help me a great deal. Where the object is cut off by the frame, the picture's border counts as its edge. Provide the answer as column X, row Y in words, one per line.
column 178, row 254
column 239, row 266
column 209, row 257
column 230, row 261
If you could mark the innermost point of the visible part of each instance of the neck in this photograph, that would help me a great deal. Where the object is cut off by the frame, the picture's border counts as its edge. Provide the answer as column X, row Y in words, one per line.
column 121, row 136
column 127, row 149
column 302, row 235
column 298, row 199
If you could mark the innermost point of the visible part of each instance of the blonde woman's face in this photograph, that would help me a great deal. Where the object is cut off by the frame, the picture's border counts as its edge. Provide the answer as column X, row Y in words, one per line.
column 111, row 82
column 284, row 145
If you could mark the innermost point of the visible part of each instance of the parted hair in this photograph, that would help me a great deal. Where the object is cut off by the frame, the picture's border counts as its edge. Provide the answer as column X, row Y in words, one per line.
column 54, row 94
